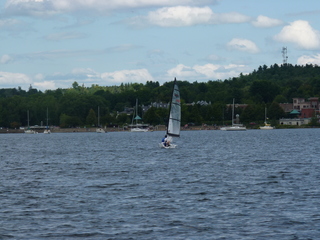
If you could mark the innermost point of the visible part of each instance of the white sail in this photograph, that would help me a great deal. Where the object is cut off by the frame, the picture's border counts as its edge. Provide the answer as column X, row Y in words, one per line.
column 175, row 113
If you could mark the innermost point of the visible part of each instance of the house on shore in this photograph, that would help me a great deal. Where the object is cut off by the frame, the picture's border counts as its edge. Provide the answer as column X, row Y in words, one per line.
column 301, row 111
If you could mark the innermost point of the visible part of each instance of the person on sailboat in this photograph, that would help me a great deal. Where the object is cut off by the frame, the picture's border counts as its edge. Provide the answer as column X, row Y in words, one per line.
column 165, row 141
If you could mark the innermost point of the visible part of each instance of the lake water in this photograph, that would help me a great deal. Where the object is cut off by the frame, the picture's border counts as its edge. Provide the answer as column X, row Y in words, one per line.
column 256, row 184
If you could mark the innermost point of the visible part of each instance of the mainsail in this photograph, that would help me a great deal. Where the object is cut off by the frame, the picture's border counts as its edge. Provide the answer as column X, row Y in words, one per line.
column 173, row 128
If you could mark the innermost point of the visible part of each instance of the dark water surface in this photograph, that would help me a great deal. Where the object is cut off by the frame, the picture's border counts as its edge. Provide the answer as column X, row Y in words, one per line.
column 256, row 184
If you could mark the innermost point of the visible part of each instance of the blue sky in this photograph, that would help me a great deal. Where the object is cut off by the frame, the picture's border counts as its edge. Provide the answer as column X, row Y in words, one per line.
column 52, row 43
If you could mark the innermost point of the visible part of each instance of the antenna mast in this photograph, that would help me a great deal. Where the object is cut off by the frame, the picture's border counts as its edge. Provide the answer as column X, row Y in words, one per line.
column 284, row 55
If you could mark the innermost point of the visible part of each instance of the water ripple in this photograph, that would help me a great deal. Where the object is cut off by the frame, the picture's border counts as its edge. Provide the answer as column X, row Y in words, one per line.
column 220, row 185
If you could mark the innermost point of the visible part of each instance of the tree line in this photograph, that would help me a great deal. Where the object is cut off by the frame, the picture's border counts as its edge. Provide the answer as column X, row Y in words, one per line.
column 77, row 106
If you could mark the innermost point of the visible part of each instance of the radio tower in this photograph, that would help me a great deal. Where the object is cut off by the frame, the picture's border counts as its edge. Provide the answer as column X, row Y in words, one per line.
column 284, row 55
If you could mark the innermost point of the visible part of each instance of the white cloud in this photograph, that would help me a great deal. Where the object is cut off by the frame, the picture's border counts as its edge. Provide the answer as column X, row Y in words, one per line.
column 125, row 76
column 244, row 45
column 99, row 5
column 303, row 60
column 182, row 71
column 83, row 75
column 50, row 7
column 5, row 59
column 300, row 33
column 179, row 16
column 13, row 80
column 265, row 22
column 88, row 77
column 207, row 71
column 7, row 78
column 45, row 85
column 39, row 76
column 87, row 74
column 186, row 16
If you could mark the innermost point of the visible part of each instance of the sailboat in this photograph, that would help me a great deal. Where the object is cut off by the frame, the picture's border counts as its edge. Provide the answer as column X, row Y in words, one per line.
column 47, row 130
column 235, row 126
column 29, row 130
column 174, row 117
column 266, row 126
column 99, row 129
column 135, row 126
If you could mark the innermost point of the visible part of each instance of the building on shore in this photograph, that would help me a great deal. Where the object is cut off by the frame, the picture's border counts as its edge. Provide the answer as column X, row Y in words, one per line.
column 301, row 110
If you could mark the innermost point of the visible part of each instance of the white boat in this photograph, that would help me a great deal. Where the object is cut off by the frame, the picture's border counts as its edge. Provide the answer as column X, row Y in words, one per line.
column 135, row 126
column 266, row 126
column 174, row 119
column 235, row 126
column 47, row 130
column 99, row 129
column 139, row 129
column 29, row 130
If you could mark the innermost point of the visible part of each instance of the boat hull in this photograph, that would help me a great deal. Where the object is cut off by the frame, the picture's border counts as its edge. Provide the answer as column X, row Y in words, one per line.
column 233, row 128
column 266, row 128
column 30, row 132
column 139, row 130
column 171, row 146
column 100, row 130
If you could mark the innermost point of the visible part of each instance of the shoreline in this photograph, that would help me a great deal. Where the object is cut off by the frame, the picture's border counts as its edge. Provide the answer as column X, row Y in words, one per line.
column 93, row 130
column 157, row 128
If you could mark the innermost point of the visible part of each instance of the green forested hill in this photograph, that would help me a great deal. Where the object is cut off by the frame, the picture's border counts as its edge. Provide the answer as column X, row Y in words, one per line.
column 77, row 106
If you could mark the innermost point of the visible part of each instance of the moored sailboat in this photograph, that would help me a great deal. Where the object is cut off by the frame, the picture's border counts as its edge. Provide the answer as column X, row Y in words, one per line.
column 135, row 126
column 266, row 126
column 47, row 130
column 99, row 129
column 235, row 126
column 29, row 130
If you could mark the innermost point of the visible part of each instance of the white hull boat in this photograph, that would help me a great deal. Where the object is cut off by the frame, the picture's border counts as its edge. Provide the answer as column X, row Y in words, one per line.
column 138, row 127
column 235, row 126
column 266, row 126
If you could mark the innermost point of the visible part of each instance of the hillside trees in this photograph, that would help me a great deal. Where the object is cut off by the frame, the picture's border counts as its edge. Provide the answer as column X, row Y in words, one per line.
column 275, row 111
column 266, row 86
column 156, row 116
column 91, row 119
column 263, row 91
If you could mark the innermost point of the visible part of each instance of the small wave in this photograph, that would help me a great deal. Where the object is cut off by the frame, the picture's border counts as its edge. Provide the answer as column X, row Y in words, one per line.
column 6, row 236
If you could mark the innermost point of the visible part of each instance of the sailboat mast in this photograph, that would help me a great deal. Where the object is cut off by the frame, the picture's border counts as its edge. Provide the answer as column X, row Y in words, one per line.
column 136, row 111
column 233, row 112
column 265, row 115
column 98, row 116
column 47, row 118
column 28, row 117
